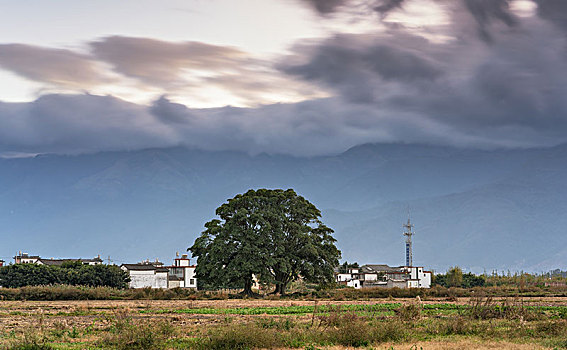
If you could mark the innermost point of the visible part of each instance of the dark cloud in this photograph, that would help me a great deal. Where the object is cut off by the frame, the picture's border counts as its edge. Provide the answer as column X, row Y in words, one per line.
column 509, row 90
column 367, row 67
column 553, row 10
column 486, row 12
column 59, row 67
column 325, row 6
column 388, row 5
column 77, row 124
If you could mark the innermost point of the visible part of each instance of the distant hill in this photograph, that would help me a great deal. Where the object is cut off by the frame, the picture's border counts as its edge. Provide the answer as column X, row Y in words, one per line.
column 476, row 209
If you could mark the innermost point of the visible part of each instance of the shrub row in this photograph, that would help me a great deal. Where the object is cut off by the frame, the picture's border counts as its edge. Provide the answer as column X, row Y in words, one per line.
column 67, row 292
column 71, row 273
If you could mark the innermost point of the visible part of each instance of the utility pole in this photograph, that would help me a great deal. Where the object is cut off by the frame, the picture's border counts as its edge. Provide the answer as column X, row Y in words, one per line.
column 408, row 233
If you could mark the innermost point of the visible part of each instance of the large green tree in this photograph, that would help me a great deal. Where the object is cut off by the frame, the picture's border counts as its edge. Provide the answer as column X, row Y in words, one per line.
column 275, row 235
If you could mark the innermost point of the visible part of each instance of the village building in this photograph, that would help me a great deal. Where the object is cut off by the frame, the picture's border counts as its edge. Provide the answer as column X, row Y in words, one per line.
column 153, row 274
column 182, row 274
column 25, row 258
column 384, row 276
column 350, row 278
column 374, row 275
column 147, row 274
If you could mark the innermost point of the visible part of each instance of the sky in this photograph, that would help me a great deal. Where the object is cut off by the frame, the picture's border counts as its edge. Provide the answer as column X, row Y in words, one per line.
column 298, row 77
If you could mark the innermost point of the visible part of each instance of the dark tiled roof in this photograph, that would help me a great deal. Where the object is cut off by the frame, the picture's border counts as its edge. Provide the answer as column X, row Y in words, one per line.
column 59, row 262
column 369, row 268
column 144, row 267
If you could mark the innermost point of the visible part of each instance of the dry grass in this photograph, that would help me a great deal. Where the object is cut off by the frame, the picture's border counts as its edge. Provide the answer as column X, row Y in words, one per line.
column 96, row 322
column 462, row 344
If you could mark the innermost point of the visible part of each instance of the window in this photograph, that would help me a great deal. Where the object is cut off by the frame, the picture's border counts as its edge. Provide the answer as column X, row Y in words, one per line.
column 192, row 281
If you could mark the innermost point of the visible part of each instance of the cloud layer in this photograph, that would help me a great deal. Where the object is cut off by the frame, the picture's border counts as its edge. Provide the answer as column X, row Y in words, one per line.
column 487, row 77
column 196, row 73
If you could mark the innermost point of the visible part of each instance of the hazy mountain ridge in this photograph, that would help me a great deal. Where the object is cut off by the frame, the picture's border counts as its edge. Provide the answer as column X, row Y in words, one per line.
column 478, row 209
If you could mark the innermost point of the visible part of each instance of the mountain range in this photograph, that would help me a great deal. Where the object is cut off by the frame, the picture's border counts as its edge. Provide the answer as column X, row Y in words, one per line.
column 478, row 209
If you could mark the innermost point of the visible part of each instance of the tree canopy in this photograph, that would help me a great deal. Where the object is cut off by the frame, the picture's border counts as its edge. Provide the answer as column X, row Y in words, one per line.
column 273, row 235
column 456, row 278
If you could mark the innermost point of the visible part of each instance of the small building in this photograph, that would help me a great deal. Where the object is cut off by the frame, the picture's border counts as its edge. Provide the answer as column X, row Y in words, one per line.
column 182, row 274
column 349, row 277
column 1, row 262
column 147, row 274
column 25, row 258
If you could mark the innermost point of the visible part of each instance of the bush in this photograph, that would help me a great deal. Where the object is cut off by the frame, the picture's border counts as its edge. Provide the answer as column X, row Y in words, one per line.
column 409, row 312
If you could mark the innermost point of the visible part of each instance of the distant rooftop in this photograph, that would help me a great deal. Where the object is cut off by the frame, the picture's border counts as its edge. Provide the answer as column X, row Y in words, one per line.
column 145, row 267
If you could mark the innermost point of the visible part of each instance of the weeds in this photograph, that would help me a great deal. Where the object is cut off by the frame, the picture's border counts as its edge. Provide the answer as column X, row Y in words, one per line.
column 126, row 334
column 242, row 336
column 409, row 312
column 484, row 308
column 32, row 340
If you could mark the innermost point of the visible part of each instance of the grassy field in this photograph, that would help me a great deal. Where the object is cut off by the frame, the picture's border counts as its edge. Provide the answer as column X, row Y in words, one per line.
column 463, row 323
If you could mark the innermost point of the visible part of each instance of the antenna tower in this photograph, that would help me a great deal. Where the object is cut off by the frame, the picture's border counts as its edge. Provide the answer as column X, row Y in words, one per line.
column 408, row 233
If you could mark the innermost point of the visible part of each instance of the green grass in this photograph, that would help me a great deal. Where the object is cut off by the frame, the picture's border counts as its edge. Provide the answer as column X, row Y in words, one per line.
column 386, row 308
column 281, row 310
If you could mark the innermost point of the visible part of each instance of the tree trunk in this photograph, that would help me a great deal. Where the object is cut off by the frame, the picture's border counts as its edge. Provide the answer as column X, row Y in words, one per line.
column 283, row 286
column 277, row 290
column 248, row 287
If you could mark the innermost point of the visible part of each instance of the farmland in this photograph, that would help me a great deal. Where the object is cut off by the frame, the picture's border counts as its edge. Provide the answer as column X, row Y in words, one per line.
column 435, row 323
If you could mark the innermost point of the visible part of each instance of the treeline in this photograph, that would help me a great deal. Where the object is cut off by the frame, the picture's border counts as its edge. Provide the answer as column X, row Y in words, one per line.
column 71, row 273
column 456, row 278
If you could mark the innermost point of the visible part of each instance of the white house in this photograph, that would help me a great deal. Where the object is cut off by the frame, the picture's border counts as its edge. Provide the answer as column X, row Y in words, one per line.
column 423, row 277
column 25, row 258
column 182, row 274
column 147, row 274
column 349, row 278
